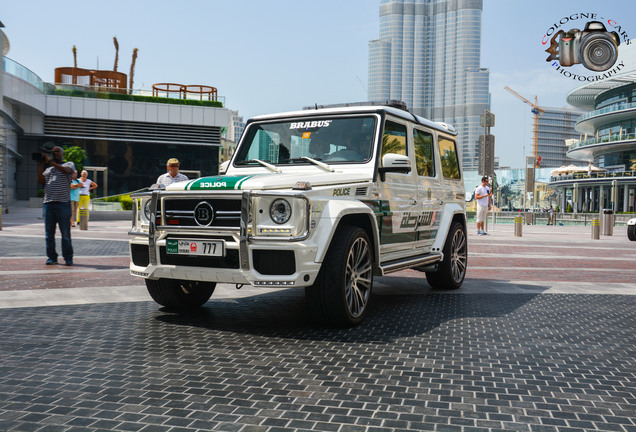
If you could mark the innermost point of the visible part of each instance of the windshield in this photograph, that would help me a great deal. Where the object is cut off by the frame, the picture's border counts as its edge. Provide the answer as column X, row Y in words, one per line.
column 328, row 139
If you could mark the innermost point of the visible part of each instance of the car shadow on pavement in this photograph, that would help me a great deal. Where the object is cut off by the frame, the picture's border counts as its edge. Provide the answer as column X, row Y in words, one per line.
column 391, row 316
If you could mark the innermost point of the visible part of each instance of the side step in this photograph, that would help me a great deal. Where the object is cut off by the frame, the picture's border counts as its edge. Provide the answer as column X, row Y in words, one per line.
column 410, row 262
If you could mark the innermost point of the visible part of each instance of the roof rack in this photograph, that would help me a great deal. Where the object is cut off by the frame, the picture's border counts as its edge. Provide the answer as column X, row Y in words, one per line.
column 390, row 103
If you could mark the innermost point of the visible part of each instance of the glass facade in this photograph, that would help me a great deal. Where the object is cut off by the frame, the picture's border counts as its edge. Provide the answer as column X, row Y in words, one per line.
column 556, row 125
column 428, row 56
column 122, row 166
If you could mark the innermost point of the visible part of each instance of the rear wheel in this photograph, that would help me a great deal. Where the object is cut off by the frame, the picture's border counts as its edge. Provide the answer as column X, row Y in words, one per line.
column 180, row 294
column 631, row 232
column 452, row 270
column 342, row 290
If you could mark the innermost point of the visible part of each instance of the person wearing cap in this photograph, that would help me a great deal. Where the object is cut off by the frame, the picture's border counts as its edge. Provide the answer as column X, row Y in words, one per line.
column 173, row 175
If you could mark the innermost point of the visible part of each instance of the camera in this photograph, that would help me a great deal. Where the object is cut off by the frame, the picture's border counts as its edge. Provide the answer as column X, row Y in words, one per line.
column 38, row 157
column 594, row 47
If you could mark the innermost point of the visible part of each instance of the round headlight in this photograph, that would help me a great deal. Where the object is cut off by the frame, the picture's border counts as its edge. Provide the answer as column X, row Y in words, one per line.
column 147, row 210
column 280, row 211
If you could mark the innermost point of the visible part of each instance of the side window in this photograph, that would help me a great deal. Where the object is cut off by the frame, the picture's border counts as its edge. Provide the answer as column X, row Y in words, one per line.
column 448, row 156
column 424, row 160
column 394, row 138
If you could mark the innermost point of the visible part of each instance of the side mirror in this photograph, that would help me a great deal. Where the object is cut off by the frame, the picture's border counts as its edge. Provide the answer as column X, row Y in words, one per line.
column 396, row 163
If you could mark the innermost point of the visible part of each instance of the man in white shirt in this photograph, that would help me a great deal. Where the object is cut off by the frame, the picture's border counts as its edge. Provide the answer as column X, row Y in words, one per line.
column 173, row 175
column 482, row 196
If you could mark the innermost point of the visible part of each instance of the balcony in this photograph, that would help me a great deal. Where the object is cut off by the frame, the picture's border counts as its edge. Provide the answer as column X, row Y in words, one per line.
column 594, row 120
column 586, row 149
column 77, row 82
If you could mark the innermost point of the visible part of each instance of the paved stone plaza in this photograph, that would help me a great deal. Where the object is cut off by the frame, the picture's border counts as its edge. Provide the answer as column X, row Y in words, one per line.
column 541, row 337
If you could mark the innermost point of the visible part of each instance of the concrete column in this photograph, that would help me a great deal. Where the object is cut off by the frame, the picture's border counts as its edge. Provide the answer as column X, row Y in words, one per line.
column 625, row 197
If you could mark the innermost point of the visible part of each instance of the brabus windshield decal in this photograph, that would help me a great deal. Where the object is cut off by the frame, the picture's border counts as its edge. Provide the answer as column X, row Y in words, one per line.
column 310, row 124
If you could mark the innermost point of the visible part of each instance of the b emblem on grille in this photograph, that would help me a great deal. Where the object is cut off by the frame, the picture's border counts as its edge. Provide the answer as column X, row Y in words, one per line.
column 203, row 214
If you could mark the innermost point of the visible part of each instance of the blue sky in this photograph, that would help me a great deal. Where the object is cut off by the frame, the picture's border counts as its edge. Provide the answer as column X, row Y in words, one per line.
column 280, row 55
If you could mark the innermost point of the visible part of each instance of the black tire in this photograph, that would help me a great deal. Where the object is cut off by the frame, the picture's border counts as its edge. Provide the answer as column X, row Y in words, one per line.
column 631, row 232
column 340, row 296
column 452, row 270
column 180, row 294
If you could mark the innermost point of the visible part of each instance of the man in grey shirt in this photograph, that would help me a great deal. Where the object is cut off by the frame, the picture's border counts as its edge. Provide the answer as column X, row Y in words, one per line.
column 57, row 203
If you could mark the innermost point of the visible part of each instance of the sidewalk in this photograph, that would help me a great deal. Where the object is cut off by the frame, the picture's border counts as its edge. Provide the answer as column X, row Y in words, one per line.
column 546, row 259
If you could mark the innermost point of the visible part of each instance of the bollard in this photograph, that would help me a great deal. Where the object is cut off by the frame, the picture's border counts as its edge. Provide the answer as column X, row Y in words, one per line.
column 0, row 218
column 518, row 226
column 596, row 229
column 83, row 216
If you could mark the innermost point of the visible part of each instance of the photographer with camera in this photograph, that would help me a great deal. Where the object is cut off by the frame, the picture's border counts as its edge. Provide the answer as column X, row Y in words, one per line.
column 57, row 206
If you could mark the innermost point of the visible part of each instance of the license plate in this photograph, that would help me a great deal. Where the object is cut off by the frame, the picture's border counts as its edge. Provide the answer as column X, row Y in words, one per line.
column 195, row 247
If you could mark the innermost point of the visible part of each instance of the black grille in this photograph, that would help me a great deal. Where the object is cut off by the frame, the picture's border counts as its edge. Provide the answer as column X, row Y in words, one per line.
column 180, row 212
column 229, row 261
column 139, row 255
column 274, row 262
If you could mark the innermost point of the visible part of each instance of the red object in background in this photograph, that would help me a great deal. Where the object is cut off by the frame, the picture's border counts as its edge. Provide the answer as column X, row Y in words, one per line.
column 538, row 162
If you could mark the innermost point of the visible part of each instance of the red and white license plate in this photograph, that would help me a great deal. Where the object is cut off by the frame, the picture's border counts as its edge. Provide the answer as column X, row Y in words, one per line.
column 195, row 247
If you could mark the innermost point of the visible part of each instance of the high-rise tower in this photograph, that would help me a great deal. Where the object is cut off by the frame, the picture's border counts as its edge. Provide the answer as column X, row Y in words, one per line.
column 428, row 56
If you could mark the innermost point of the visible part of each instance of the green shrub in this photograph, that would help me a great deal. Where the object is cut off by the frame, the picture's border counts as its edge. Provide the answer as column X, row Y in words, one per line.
column 126, row 202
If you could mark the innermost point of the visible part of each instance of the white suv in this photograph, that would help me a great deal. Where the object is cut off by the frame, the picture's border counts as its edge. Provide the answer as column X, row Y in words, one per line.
column 322, row 199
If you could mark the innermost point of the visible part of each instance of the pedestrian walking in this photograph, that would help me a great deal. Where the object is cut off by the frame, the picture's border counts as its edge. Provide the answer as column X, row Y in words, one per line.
column 85, row 192
column 57, row 207
column 75, row 196
column 482, row 196
column 173, row 175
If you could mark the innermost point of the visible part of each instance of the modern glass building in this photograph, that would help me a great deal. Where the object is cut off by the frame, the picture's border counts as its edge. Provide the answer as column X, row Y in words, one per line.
column 609, row 141
column 428, row 56
column 556, row 126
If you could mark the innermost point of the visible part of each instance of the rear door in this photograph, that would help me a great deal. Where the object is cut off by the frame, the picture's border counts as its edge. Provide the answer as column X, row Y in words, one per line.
column 397, row 204
column 429, row 190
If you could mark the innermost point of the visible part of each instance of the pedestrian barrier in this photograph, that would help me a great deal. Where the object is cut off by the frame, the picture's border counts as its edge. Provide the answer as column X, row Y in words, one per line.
column 83, row 217
column 596, row 229
column 518, row 226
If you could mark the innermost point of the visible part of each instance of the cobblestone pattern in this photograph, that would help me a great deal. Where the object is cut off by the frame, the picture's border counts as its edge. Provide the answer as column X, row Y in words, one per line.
column 14, row 246
column 434, row 362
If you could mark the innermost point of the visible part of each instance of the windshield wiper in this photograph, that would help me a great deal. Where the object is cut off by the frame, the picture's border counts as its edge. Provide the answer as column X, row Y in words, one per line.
column 322, row 165
column 269, row 166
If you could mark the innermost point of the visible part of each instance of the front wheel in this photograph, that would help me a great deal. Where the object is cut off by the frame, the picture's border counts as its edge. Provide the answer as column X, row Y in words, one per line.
column 342, row 290
column 631, row 232
column 180, row 294
column 452, row 270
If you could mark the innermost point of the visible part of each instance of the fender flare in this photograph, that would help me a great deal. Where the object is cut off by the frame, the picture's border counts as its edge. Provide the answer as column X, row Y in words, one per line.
column 331, row 218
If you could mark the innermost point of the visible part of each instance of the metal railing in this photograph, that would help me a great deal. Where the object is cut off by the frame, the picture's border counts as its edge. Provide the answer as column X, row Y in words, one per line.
column 605, row 139
column 609, row 109
column 594, row 175
column 541, row 218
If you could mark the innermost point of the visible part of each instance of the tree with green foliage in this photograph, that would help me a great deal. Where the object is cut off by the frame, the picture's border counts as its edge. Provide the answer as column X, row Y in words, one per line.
column 77, row 155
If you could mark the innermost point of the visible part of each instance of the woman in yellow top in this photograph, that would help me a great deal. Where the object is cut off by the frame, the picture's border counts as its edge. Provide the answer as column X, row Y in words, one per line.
column 85, row 191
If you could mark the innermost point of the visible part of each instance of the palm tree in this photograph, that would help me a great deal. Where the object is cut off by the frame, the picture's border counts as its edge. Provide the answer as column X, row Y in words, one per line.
column 116, row 53
column 74, row 63
column 132, row 70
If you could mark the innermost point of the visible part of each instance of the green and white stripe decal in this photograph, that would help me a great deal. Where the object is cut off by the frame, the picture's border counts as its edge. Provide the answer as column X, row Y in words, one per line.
column 217, row 183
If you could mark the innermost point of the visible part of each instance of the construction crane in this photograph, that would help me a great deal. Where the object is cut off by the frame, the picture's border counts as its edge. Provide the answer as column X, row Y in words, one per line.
column 536, row 111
